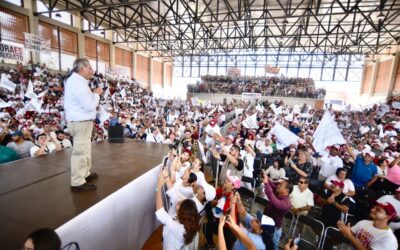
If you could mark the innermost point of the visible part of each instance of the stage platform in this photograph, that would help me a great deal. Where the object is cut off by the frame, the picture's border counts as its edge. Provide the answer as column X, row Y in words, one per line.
column 35, row 193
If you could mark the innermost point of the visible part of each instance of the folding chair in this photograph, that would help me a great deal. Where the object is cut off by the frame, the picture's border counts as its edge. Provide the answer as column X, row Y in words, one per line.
column 259, row 204
column 249, row 180
column 287, row 225
column 334, row 239
column 257, row 166
column 309, row 237
column 247, row 197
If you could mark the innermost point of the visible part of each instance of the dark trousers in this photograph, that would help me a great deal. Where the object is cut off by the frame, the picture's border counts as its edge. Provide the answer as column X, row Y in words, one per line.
column 212, row 228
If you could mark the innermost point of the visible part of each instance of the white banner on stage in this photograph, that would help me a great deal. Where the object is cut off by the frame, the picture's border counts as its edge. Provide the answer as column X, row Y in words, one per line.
column 123, row 220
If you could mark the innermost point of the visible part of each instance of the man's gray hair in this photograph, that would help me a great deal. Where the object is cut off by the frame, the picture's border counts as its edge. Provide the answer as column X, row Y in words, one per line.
column 80, row 63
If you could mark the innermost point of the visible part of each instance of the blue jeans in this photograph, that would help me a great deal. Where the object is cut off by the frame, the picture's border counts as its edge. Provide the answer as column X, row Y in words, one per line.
column 277, row 237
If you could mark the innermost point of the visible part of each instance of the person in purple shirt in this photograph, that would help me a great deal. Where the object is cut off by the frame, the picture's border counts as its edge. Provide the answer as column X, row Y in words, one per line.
column 279, row 205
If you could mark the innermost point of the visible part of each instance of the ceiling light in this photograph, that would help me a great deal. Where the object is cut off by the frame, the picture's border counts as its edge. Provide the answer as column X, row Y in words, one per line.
column 58, row 15
column 381, row 16
column 285, row 21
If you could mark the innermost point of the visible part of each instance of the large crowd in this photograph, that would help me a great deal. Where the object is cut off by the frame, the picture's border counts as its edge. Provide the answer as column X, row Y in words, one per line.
column 267, row 86
column 331, row 167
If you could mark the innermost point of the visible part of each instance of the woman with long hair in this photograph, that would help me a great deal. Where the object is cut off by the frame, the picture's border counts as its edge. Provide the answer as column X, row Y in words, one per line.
column 43, row 239
column 181, row 230
column 276, row 171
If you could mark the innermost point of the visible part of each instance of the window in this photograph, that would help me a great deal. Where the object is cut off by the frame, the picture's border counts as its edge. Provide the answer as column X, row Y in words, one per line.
column 12, row 28
column 123, row 62
column 99, row 52
column 90, row 27
column 64, row 46
column 16, row 2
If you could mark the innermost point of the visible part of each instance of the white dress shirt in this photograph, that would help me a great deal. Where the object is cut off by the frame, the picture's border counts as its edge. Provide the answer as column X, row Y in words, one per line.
column 79, row 101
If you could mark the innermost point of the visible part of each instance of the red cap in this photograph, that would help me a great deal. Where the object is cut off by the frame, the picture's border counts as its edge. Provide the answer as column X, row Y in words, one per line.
column 337, row 147
column 187, row 151
column 338, row 183
column 389, row 209
column 212, row 123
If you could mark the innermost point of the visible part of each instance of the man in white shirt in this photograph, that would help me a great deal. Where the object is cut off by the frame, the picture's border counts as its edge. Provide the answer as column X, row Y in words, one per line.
column 301, row 198
column 392, row 199
column 330, row 163
column 45, row 145
column 211, row 129
column 374, row 234
column 154, row 136
column 80, row 105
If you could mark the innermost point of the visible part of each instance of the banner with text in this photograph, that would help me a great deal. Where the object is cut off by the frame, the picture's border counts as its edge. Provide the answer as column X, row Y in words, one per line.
column 37, row 44
column 247, row 96
column 272, row 70
column 233, row 71
column 11, row 52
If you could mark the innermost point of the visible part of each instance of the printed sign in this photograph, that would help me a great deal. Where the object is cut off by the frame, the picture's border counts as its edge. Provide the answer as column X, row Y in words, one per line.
column 11, row 52
column 247, row 96
column 37, row 44
column 272, row 70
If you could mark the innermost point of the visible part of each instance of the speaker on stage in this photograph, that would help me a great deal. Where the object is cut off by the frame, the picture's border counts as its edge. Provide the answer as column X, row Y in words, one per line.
column 116, row 134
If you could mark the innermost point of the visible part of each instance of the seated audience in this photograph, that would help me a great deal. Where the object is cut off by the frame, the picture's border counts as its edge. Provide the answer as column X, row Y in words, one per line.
column 301, row 198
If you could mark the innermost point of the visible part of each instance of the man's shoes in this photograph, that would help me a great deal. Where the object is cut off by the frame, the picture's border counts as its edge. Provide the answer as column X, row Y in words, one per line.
column 83, row 187
column 93, row 176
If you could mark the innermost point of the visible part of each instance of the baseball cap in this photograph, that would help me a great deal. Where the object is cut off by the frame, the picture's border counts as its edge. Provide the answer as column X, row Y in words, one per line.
column 212, row 123
column 389, row 209
column 337, row 147
column 234, row 179
column 265, row 221
column 370, row 153
column 17, row 133
column 398, row 189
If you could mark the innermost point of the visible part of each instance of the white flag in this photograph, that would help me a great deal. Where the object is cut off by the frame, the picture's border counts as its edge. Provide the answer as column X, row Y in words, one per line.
column 383, row 109
column 238, row 112
column 7, row 84
column 284, row 137
column 42, row 94
column 4, row 104
column 259, row 108
column 327, row 133
column 123, row 93
column 396, row 105
column 201, row 149
column 251, row 122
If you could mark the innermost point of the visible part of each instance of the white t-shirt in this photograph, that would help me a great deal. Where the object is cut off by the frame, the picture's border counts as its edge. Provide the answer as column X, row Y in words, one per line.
column 329, row 164
column 275, row 173
column 348, row 184
column 301, row 199
column 49, row 149
column 248, row 161
column 173, row 231
column 392, row 200
column 65, row 143
column 211, row 130
column 374, row 238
